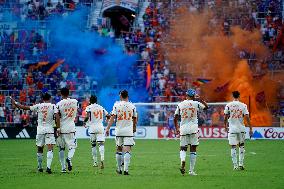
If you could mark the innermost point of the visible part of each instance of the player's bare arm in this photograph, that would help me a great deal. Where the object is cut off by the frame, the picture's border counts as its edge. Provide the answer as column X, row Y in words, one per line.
column 134, row 123
column 197, row 97
column 110, row 122
column 18, row 105
column 176, row 124
column 226, row 122
column 57, row 123
column 108, row 118
column 85, row 120
column 250, row 127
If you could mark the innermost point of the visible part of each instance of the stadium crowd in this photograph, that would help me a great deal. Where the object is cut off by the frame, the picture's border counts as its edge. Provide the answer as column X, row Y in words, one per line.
column 18, row 47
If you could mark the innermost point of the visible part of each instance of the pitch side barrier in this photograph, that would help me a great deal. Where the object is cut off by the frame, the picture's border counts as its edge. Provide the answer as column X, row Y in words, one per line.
column 152, row 132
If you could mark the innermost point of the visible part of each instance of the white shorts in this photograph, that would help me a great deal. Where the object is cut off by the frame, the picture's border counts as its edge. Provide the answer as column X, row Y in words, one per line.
column 67, row 140
column 124, row 141
column 236, row 138
column 45, row 139
column 190, row 139
column 97, row 137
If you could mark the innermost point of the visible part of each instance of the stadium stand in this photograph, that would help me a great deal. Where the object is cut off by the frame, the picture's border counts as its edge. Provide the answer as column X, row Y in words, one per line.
column 18, row 47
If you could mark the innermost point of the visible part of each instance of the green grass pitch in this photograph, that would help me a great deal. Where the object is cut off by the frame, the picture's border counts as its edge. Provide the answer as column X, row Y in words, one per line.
column 154, row 164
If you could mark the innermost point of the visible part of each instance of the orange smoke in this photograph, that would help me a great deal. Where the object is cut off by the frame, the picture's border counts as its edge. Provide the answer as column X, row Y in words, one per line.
column 198, row 47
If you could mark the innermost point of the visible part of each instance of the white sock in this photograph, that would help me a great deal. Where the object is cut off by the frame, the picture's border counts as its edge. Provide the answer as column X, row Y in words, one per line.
column 62, row 159
column 241, row 155
column 234, row 156
column 127, row 157
column 39, row 160
column 122, row 160
column 118, row 160
column 71, row 153
column 94, row 154
column 102, row 152
column 182, row 155
column 192, row 161
column 49, row 157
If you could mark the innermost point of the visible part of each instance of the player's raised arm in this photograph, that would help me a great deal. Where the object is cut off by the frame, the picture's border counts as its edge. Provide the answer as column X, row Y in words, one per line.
column 197, row 97
column 18, row 105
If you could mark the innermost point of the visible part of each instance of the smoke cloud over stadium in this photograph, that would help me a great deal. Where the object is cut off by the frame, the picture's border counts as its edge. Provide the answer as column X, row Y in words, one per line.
column 99, row 57
column 204, row 51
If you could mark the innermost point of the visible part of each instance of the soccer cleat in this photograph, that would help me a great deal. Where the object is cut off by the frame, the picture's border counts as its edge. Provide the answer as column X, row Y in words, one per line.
column 63, row 171
column 125, row 173
column 182, row 171
column 95, row 164
column 118, row 172
column 48, row 170
column 102, row 165
column 241, row 168
column 236, row 168
column 192, row 173
column 40, row 170
column 69, row 164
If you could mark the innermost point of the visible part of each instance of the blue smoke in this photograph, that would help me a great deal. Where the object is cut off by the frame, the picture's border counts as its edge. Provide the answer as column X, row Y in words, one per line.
column 99, row 57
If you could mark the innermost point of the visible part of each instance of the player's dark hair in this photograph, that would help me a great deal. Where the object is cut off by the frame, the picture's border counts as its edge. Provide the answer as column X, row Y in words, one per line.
column 93, row 99
column 64, row 91
column 236, row 94
column 46, row 96
column 123, row 94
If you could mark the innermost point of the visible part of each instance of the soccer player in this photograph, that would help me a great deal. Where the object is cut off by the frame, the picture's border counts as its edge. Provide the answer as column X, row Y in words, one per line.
column 45, row 130
column 188, row 130
column 126, row 119
column 235, row 112
column 94, row 120
column 65, row 121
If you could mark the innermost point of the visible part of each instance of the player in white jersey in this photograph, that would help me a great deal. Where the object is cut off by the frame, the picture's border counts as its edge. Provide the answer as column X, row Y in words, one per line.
column 65, row 121
column 94, row 121
column 126, row 119
column 188, row 110
column 235, row 112
column 45, row 129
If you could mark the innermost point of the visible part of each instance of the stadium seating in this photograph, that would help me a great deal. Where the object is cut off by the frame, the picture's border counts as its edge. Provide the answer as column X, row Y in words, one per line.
column 18, row 47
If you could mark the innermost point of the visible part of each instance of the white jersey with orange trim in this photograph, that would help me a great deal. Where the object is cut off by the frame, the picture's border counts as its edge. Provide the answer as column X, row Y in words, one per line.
column 96, row 117
column 68, row 112
column 236, row 110
column 124, row 112
column 188, row 110
column 45, row 117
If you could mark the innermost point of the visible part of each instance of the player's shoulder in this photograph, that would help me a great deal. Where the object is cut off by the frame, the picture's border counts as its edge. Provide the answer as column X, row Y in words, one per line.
column 116, row 103
column 72, row 100
column 182, row 102
column 131, row 104
column 98, row 106
column 60, row 102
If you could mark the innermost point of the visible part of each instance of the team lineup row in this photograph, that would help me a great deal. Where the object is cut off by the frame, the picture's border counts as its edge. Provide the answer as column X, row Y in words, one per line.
column 124, row 115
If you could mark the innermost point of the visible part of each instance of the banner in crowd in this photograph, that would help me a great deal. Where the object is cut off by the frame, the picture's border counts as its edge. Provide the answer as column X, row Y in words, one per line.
column 151, row 132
